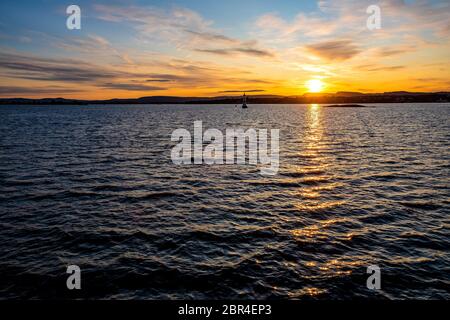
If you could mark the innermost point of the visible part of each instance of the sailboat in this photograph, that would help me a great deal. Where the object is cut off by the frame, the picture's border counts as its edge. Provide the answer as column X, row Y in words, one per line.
column 244, row 102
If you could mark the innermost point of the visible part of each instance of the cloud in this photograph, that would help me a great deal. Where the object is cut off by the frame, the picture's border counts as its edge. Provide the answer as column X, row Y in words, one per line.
column 131, row 87
column 374, row 67
column 234, row 51
column 391, row 68
column 334, row 49
column 17, row 90
column 66, row 70
column 213, row 37
column 303, row 25
column 158, row 80
column 178, row 26
column 163, row 77
column 317, row 69
column 154, row 19
column 397, row 15
column 90, row 44
column 241, row 91
column 29, row 67
column 185, row 29
column 70, row 71
column 393, row 50
column 407, row 26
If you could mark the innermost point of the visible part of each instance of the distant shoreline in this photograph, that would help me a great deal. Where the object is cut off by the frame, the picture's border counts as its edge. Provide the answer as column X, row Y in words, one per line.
column 334, row 98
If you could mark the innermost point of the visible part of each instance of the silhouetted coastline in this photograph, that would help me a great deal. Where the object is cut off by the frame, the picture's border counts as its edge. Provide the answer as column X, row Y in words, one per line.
column 334, row 98
column 347, row 106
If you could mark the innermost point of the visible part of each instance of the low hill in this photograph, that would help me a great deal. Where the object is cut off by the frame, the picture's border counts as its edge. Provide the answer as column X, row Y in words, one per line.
column 324, row 98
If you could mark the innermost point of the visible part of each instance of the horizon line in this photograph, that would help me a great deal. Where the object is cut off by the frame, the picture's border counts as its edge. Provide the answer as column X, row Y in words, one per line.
column 316, row 94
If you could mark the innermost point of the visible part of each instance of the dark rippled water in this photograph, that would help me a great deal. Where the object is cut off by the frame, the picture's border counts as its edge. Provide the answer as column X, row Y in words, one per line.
column 94, row 186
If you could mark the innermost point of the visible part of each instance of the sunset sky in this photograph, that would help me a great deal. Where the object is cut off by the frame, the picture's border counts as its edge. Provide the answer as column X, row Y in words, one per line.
column 210, row 48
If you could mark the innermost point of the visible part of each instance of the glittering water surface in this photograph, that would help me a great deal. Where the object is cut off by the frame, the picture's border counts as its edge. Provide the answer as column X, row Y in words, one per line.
column 94, row 186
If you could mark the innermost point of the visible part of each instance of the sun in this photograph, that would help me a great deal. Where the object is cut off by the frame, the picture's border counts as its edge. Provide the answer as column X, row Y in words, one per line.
column 314, row 85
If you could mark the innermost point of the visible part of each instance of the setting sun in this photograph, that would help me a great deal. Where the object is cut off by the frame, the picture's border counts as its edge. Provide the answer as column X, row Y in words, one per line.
column 314, row 85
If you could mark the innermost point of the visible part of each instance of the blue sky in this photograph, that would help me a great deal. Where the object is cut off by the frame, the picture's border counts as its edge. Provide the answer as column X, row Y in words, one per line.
column 232, row 15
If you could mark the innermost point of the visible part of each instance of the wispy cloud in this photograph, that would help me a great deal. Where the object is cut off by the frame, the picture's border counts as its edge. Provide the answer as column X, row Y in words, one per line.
column 389, row 68
column 131, row 87
column 158, row 80
column 11, row 91
column 394, row 50
column 183, row 28
column 334, row 49
column 234, row 51
column 46, row 69
column 242, row 91
column 214, row 37
column 90, row 45
column 278, row 29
